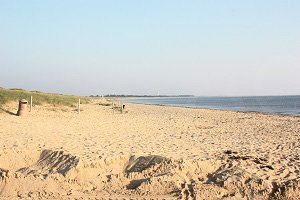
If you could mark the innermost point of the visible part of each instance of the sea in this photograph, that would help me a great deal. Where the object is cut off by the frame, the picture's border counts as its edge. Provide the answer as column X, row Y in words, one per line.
column 285, row 105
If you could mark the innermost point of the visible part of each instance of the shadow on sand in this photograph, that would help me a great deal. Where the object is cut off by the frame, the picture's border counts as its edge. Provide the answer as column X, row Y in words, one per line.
column 8, row 112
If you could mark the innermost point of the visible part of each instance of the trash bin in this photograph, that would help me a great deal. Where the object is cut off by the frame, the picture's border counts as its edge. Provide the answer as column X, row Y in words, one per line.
column 22, row 107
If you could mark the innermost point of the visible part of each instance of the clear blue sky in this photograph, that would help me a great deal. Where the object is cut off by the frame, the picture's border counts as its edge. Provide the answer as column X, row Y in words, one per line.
column 142, row 47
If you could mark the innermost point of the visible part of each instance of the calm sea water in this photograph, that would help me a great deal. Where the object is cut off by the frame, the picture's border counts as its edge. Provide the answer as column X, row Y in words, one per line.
column 268, row 104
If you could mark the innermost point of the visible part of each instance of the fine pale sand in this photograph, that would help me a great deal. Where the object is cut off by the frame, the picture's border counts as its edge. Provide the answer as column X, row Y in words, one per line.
column 148, row 152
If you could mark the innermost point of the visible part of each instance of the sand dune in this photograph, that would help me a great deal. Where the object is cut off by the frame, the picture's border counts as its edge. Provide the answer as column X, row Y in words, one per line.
column 147, row 152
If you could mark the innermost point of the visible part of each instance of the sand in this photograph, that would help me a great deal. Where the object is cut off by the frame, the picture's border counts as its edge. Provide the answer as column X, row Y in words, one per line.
column 147, row 152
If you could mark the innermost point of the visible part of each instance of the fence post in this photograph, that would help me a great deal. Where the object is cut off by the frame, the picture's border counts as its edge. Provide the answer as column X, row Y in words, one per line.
column 30, row 103
column 78, row 106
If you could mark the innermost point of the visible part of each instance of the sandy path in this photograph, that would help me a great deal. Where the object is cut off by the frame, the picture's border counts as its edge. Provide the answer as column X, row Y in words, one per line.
column 266, row 146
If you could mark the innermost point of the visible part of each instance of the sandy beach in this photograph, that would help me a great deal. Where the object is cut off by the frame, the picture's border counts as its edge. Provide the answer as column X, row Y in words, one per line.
column 147, row 152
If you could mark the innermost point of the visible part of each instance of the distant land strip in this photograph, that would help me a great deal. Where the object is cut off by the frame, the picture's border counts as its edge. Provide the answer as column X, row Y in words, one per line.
column 115, row 95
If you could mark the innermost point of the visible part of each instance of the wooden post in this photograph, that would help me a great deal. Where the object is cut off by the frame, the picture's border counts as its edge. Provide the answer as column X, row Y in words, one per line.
column 79, row 106
column 30, row 103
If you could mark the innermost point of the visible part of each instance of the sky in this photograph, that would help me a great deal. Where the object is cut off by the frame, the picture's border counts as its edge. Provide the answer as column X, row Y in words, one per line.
column 205, row 48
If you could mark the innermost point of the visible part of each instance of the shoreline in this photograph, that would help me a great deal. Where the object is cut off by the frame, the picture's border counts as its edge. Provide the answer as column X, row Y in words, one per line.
column 218, row 109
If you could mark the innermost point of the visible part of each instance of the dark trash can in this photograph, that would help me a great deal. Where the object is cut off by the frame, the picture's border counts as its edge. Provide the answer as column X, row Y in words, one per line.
column 22, row 107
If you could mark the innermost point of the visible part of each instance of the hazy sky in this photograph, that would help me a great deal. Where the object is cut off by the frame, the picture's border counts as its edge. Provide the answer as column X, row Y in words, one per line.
column 142, row 47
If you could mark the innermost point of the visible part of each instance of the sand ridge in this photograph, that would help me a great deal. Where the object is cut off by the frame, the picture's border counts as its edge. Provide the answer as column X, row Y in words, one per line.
column 146, row 152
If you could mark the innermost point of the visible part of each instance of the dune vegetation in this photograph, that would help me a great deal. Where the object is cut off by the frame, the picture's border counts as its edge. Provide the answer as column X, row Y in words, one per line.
column 10, row 95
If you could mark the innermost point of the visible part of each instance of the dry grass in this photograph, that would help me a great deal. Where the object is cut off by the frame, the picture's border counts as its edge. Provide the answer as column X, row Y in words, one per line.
column 39, row 98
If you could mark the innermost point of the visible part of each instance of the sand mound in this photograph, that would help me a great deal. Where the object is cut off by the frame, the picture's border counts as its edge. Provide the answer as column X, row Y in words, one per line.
column 52, row 162
column 141, row 176
column 57, row 174
column 150, row 175
column 248, row 176
column 144, row 162
column 237, row 182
